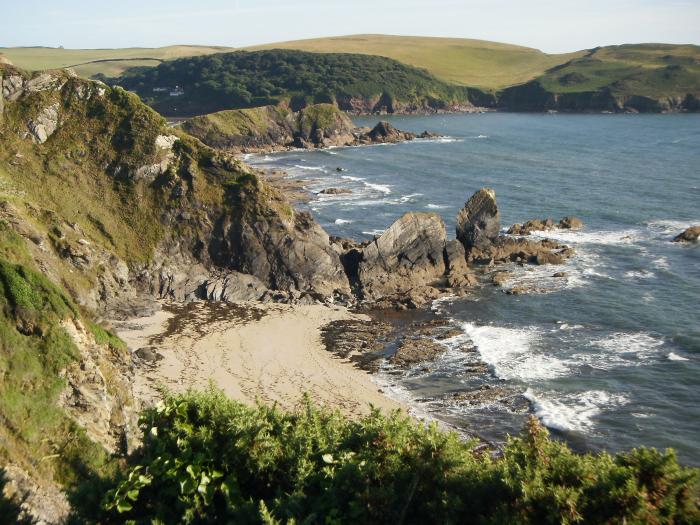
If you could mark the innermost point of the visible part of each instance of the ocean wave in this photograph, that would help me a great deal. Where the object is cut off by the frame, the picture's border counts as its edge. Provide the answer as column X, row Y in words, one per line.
column 409, row 198
column 385, row 189
column 591, row 237
column 572, row 412
column 675, row 357
column 343, row 221
column 661, row 263
column 350, row 177
column 438, row 140
column 669, row 227
column 509, row 353
column 436, row 206
column 640, row 343
column 311, row 168
column 640, row 274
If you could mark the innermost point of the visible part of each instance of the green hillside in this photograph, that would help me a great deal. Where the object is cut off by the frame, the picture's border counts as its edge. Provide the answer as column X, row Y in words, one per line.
column 356, row 83
column 476, row 63
column 641, row 77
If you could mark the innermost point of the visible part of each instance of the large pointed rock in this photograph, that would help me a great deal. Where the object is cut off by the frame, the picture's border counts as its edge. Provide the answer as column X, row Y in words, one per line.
column 407, row 256
column 478, row 222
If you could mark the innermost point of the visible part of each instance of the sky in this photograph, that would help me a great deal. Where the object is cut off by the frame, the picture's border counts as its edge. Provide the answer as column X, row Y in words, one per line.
column 552, row 26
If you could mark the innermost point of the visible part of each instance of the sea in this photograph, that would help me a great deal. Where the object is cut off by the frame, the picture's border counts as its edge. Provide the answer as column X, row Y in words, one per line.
column 607, row 358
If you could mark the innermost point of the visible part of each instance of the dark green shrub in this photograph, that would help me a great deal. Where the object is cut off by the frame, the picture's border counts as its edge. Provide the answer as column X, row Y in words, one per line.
column 207, row 459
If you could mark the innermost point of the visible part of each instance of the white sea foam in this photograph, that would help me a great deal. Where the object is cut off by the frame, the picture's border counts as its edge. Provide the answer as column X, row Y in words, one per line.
column 350, row 177
column 675, row 357
column 436, row 206
column 661, row 263
column 342, row 221
column 375, row 233
column 481, row 137
column 622, row 349
column 510, row 353
column 311, row 168
column 591, row 237
column 639, row 274
column 378, row 187
column 572, row 412
column 669, row 226
column 409, row 198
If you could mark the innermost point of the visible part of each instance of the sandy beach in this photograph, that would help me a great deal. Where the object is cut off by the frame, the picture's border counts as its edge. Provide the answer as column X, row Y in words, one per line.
column 252, row 351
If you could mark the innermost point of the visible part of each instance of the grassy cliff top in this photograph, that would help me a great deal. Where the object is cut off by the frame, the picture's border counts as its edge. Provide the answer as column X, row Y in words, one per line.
column 652, row 70
column 110, row 62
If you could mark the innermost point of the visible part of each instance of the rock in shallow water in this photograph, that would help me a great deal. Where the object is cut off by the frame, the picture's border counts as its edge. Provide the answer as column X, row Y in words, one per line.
column 690, row 235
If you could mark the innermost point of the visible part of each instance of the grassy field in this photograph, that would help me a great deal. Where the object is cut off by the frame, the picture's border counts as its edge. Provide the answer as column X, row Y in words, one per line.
column 652, row 70
column 476, row 63
column 110, row 62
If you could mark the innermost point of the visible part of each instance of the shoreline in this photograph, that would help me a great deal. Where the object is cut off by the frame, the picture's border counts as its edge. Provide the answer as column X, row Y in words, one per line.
column 271, row 353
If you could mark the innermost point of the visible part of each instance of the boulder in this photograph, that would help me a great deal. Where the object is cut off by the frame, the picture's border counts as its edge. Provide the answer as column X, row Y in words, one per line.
column 689, row 235
column 408, row 255
column 571, row 223
column 478, row 222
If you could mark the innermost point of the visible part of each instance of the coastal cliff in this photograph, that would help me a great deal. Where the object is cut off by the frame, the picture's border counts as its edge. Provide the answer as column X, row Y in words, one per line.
column 272, row 128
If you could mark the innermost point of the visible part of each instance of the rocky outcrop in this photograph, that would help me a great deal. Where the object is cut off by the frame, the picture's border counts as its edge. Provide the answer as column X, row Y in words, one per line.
column 44, row 125
column 407, row 257
column 478, row 230
column 272, row 128
column 567, row 223
column 478, row 222
column 382, row 133
column 232, row 287
column 689, row 235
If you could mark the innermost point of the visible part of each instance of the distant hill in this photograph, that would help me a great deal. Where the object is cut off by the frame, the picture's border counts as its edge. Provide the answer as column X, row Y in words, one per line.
column 641, row 77
column 476, row 63
column 356, row 83
column 632, row 77
column 110, row 62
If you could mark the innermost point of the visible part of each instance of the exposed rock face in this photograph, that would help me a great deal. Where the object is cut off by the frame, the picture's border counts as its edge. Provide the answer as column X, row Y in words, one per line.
column 272, row 128
column 689, row 235
column 407, row 256
column 99, row 394
column 44, row 125
column 567, row 223
column 478, row 222
column 234, row 287
column 458, row 273
column 284, row 249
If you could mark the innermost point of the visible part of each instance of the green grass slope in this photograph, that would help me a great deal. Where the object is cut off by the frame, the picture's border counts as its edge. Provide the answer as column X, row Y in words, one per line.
column 475, row 63
column 641, row 77
column 109, row 62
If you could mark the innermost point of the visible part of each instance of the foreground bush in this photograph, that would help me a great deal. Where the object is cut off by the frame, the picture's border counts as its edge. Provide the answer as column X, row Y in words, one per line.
column 207, row 459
